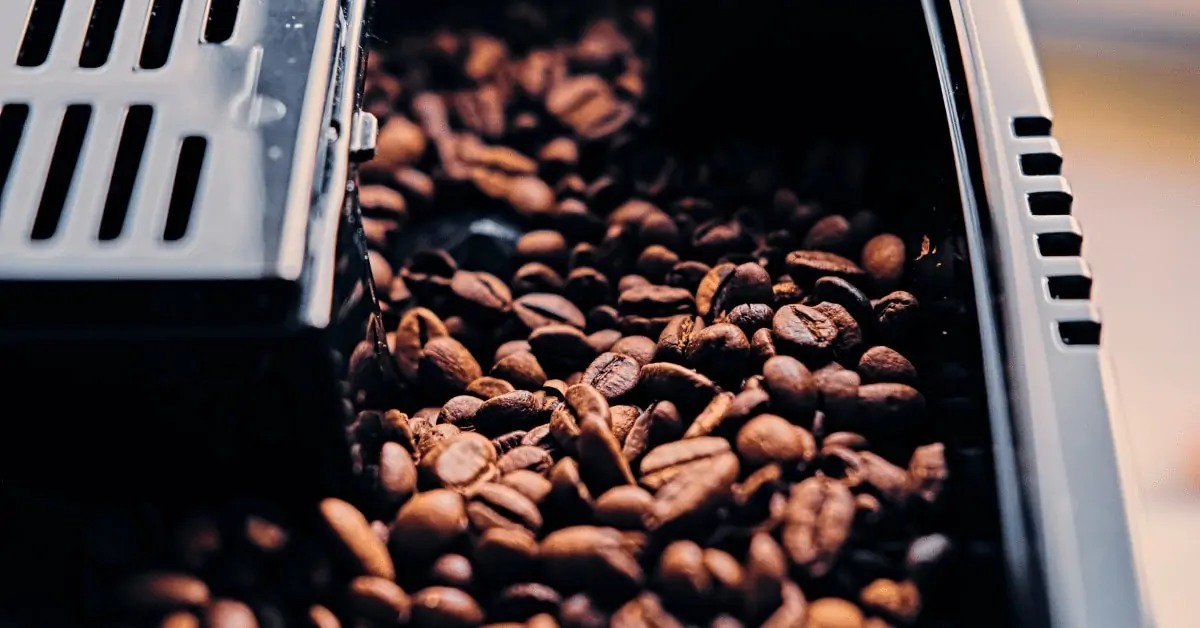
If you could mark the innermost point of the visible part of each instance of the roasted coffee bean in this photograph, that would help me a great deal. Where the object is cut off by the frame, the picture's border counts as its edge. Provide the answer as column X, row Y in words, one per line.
column 601, row 341
column 682, row 577
column 521, row 369
column 762, row 345
column 623, row 418
column 676, row 337
column 682, row 386
column 561, row 348
column 487, row 387
column 397, row 476
column 834, row 613
column 498, row 506
column 378, row 600
column 613, row 375
column 506, row 554
column 640, row 348
column 746, row 283
column 163, row 591
column 507, row 442
column 884, row 365
column 460, row 411
column 517, row 410
column 644, row 610
column 928, row 472
column 579, row 611
column 592, row 559
column 848, row 344
column 434, row 436
column 658, row 424
column 693, row 493
column 751, row 402
column 417, row 327
column 888, row 410
column 446, row 365
column 688, row 275
column 530, row 484
column 711, row 417
column 629, row 282
column 521, row 602
column 897, row 317
column 582, row 402
column 805, row 333
column 541, row 436
column 428, row 524
column 655, row 262
column 624, row 507
column 769, row 438
column 787, row 293
column 721, row 350
column 603, row 317
column 655, row 301
column 481, row 292
column 525, row 457
column 706, row 290
column 536, row 278
column 751, row 317
column 883, row 258
column 808, row 266
column 842, row 292
column 444, row 607
column 509, row 348
column 793, row 389
column 765, row 576
column 831, row 234
column 819, row 514
column 462, row 463
column 601, row 463
column 538, row 310
column 452, row 570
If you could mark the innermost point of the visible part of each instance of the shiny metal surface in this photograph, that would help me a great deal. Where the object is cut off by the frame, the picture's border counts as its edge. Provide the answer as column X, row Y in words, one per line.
column 260, row 99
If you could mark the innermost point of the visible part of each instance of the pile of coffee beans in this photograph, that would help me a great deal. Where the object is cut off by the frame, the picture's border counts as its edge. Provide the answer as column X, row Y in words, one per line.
column 694, row 396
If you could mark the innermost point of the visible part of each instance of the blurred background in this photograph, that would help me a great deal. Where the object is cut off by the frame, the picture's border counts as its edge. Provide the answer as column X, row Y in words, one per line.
column 1124, row 84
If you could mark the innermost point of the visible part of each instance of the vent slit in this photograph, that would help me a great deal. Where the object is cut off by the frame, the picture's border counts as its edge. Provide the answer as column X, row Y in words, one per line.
column 1060, row 244
column 1031, row 126
column 1069, row 287
column 39, row 32
column 187, row 183
column 63, row 164
column 160, row 33
column 12, row 127
column 1079, row 332
column 1050, row 203
column 125, row 171
column 98, row 43
column 222, row 16
column 1041, row 164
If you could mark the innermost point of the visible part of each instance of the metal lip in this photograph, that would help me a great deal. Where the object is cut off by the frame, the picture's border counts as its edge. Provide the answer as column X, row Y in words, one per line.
column 258, row 98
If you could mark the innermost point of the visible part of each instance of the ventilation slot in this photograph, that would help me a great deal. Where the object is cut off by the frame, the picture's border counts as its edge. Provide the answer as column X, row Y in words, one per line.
column 1060, row 244
column 1079, row 332
column 125, row 171
column 1069, row 287
column 98, row 42
column 62, row 171
column 187, row 182
column 39, row 32
column 1032, row 126
column 1041, row 164
column 222, row 16
column 1050, row 203
column 160, row 33
column 12, row 127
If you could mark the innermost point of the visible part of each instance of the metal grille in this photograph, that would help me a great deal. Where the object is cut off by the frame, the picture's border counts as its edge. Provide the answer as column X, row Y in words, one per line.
column 162, row 139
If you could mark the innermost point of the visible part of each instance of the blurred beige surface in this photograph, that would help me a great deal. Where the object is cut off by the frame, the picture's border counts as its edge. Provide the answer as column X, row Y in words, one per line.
column 1128, row 118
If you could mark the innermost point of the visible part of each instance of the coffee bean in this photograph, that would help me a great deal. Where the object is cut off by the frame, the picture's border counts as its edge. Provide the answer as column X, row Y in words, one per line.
column 592, row 559
column 682, row 578
column 516, row 410
column 613, row 375
column 318, row 617
column 601, row 464
column 495, row 505
column 481, row 293
column 656, row 261
column 540, row 436
column 693, row 493
column 623, row 418
column 603, row 317
column 521, row 369
column 720, row 350
column 793, row 608
column 659, row 424
column 655, row 301
column 762, row 346
column 529, row 483
column 808, row 266
column 888, row 410
column 163, row 591
column 538, row 310
column 460, row 411
column 463, row 463
column 629, row 282
column 794, row 391
column 644, row 610
column 582, row 402
column 897, row 317
column 751, row 402
column 446, row 365
column 751, row 317
column 671, row 382
column 746, row 283
column 765, row 576
column 487, row 387
column 505, row 554
column 676, row 338
column 831, row 233
column 509, row 348
column 535, row 278
column 444, row 607
column 928, row 472
column 397, row 476
column 417, row 327
column 544, row 246
column 624, row 507
column 587, row 105
column 883, row 258
column 378, row 600
column 561, row 348
column 848, row 344
column 601, row 341
column 452, row 570
column 526, row 457
column 834, row 613
column 769, row 438
column 805, row 333
column 842, row 292
column 817, row 524
column 520, row 602
column 884, row 365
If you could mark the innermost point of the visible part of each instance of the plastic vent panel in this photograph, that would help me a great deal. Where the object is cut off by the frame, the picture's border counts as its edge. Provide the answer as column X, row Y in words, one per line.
column 162, row 139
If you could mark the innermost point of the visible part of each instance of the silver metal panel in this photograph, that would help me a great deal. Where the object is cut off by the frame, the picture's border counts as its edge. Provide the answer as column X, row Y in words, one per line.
column 259, row 99
column 1061, row 420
